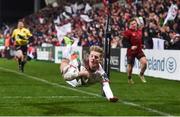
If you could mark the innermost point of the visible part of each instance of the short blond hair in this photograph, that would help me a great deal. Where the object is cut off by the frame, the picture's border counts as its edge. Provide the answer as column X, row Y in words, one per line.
column 97, row 49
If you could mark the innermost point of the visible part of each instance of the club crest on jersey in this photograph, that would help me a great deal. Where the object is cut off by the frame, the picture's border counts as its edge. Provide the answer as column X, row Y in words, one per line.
column 134, row 34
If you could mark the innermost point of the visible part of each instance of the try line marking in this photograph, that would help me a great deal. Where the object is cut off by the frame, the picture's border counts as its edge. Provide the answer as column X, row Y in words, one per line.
column 45, row 97
column 85, row 92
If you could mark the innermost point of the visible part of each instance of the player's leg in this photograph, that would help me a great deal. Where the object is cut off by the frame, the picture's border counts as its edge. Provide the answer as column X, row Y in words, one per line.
column 19, row 56
column 143, row 63
column 23, row 62
column 68, row 71
column 74, row 83
column 24, row 57
column 67, row 52
column 130, row 63
column 64, row 63
column 129, row 73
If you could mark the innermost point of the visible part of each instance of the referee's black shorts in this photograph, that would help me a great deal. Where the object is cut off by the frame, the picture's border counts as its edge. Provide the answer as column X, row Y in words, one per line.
column 23, row 48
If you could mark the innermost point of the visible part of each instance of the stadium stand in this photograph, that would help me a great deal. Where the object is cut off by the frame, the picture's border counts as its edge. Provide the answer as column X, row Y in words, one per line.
column 87, row 21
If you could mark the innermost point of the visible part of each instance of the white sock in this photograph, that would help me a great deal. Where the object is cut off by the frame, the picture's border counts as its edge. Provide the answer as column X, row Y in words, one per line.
column 107, row 90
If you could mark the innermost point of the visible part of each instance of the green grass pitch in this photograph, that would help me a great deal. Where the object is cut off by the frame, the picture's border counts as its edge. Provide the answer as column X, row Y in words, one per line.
column 41, row 91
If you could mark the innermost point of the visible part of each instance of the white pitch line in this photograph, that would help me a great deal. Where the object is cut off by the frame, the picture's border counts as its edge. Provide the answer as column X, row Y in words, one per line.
column 45, row 97
column 50, row 83
column 88, row 93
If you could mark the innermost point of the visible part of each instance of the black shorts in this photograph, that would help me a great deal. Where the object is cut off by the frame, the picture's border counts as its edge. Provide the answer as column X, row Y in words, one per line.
column 131, row 58
column 23, row 48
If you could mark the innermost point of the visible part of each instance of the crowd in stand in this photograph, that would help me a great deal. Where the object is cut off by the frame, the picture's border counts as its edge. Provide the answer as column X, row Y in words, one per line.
column 91, row 29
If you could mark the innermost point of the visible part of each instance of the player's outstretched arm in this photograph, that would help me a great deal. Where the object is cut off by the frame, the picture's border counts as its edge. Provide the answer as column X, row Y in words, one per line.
column 106, row 87
column 108, row 92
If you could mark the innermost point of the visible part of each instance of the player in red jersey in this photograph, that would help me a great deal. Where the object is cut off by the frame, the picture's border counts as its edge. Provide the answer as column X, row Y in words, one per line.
column 134, row 38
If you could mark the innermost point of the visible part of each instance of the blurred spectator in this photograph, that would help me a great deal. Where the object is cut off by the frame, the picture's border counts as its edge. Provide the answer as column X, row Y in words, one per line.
column 88, row 22
column 7, row 46
column 2, row 40
column 175, row 41
column 148, row 42
column 115, row 43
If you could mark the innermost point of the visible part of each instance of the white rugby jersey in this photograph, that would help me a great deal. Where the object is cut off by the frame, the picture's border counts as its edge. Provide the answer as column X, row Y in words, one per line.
column 97, row 76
